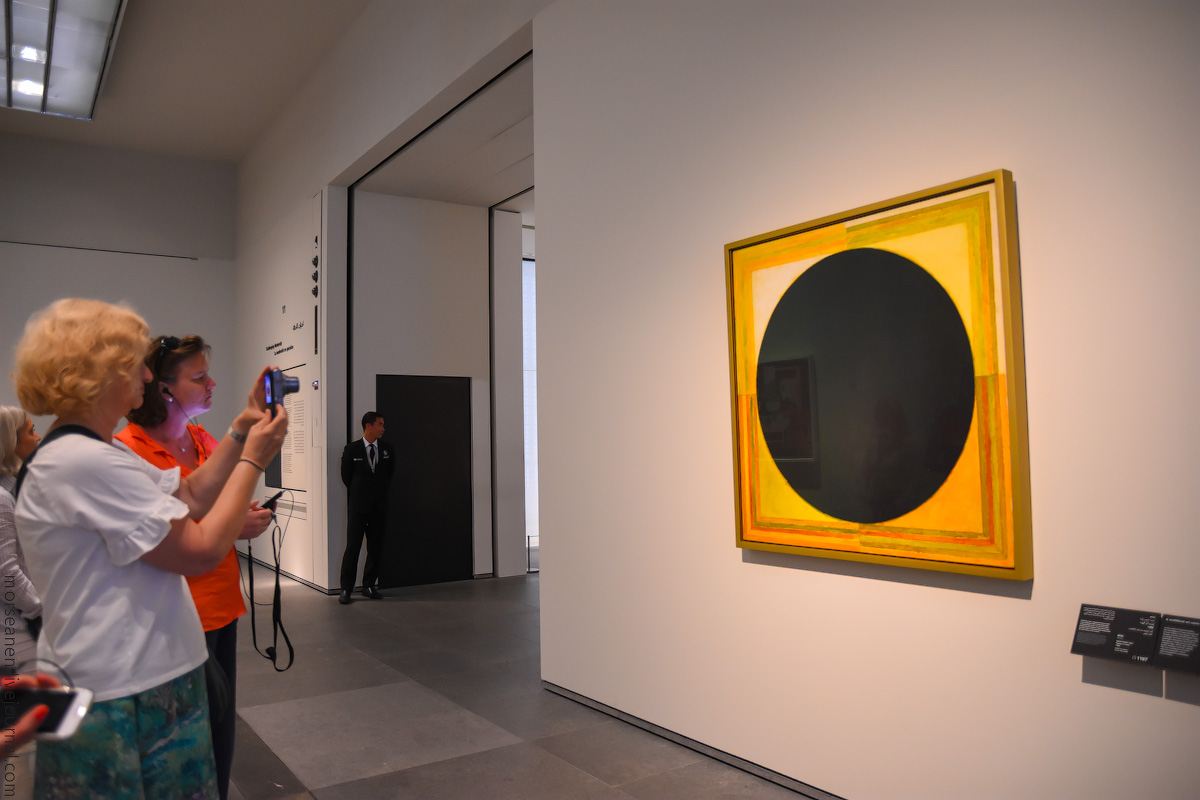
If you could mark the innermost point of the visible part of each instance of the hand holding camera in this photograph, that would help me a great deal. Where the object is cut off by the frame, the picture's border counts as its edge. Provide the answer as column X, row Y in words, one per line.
column 267, row 392
column 265, row 432
column 275, row 386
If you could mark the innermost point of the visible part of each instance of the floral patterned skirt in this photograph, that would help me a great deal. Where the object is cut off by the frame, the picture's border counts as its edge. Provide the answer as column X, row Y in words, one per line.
column 151, row 745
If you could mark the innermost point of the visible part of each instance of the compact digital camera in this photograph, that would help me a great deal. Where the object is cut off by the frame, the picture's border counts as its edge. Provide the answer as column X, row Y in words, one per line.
column 276, row 385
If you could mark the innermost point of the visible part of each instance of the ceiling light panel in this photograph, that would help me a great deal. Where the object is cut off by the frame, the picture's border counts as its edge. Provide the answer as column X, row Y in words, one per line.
column 75, row 37
column 30, row 30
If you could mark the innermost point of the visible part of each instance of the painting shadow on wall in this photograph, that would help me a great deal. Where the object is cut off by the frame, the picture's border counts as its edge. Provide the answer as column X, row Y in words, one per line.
column 1126, row 677
column 976, row 584
column 1183, row 688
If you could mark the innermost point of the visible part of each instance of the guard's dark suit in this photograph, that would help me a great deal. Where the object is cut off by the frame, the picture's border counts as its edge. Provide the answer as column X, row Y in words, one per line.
column 367, row 508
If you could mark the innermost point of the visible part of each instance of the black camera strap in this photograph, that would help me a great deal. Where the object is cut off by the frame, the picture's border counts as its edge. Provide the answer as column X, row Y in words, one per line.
column 272, row 652
column 57, row 433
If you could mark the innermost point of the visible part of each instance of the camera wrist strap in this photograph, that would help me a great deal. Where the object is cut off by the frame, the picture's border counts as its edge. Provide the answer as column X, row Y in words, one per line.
column 271, row 653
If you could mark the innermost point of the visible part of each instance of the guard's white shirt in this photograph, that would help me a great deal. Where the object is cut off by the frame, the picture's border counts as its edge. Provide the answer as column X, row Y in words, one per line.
column 86, row 514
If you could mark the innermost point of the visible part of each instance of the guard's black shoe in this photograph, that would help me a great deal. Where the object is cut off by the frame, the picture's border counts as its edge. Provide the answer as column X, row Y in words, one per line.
column 344, row 597
column 372, row 592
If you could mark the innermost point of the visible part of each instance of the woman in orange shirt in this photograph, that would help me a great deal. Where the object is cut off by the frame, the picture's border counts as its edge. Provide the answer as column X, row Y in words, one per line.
column 162, row 432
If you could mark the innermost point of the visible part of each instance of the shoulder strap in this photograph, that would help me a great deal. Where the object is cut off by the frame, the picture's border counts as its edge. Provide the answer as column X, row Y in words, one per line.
column 61, row 430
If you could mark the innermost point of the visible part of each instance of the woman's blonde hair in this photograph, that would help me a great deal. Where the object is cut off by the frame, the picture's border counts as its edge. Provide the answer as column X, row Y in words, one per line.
column 12, row 419
column 72, row 351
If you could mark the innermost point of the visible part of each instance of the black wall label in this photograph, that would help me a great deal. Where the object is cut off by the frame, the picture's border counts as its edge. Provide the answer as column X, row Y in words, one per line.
column 1117, row 633
column 1179, row 644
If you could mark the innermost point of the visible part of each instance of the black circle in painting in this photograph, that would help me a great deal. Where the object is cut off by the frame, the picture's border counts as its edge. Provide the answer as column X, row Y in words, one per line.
column 866, row 385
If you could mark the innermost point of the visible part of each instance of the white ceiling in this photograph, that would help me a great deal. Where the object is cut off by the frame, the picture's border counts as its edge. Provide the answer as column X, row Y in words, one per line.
column 523, row 204
column 204, row 79
column 200, row 79
column 480, row 154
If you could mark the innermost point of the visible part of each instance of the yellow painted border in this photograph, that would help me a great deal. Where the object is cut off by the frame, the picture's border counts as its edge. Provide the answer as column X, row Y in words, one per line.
column 992, row 480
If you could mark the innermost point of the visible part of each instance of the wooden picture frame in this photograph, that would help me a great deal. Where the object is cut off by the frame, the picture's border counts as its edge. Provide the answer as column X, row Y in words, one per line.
column 905, row 316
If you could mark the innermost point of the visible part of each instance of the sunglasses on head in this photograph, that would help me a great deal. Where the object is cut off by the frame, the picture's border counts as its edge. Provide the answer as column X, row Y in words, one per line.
column 165, row 345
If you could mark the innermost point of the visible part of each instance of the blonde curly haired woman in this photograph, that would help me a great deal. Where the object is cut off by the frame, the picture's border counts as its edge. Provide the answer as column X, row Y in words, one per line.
column 108, row 538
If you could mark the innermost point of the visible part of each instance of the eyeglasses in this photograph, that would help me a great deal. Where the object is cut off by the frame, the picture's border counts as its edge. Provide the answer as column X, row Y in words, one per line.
column 165, row 345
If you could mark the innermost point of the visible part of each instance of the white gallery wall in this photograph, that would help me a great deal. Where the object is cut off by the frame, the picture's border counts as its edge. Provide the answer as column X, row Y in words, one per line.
column 667, row 129
column 155, row 232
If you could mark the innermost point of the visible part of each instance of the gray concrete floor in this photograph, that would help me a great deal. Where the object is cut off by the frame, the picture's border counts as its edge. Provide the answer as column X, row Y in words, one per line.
column 435, row 692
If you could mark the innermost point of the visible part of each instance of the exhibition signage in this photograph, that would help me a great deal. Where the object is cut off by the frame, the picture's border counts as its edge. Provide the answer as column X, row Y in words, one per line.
column 1178, row 644
column 1117, row 633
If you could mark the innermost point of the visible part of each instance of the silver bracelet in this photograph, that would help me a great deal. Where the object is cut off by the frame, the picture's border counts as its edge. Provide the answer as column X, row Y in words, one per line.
column 240, row 438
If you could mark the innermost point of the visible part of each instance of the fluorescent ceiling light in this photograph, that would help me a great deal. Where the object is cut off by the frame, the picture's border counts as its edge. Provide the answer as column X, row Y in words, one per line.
column 28, row 53
column 56, row 53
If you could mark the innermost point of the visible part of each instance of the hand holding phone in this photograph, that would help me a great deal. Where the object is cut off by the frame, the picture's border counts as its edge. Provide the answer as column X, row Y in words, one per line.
column 271, row 503
column 67, row 708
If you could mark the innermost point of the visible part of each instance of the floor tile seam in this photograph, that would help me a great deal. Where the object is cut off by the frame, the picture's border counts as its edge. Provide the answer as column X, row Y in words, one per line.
column 700, row 760
column 536, row 743
column 523, row 743
column 394, row 605
column 436, row 683
column 443, row 695
column 455, row 706
column 407, row 679
column 302, row 641
column 513, row 650
column 489, row 705
column 431, row 629
column 489, row 662
column 321, row 786
column 316, row 695
column 256, row 673
column 488, row 668
column 413, row 642
column 380, row 662
column 426, row 765
column 570, row 765
column 477, row 625
column 419, row 767
column 466, row 654
column 425, row 718
column 482, row 662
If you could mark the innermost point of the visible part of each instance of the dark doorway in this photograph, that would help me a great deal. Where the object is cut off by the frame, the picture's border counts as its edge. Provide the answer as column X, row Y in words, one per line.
column 429, row 528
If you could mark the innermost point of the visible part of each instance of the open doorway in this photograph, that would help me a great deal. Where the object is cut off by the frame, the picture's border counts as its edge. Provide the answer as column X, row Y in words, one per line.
column 419, row 235
column 523, row 204
column 533, row 538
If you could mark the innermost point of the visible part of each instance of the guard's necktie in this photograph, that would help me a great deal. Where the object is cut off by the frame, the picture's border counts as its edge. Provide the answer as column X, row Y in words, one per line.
column 371, row 455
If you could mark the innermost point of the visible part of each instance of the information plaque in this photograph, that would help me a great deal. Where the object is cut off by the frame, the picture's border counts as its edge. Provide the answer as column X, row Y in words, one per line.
column 1178, row 645
column 1116, row 633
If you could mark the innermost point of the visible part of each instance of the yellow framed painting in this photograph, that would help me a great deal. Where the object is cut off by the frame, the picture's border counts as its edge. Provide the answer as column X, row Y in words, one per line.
column 878, row 384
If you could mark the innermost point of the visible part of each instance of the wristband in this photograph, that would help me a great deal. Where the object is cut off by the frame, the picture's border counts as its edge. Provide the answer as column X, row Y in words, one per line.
column 240, row 438
column 251, row 463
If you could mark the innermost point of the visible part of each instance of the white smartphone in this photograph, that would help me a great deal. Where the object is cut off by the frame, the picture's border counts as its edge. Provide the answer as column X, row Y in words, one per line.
column 68, row 707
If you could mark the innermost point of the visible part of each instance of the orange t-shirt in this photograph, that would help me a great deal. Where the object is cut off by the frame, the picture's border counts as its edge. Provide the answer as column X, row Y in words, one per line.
column 217, row 594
